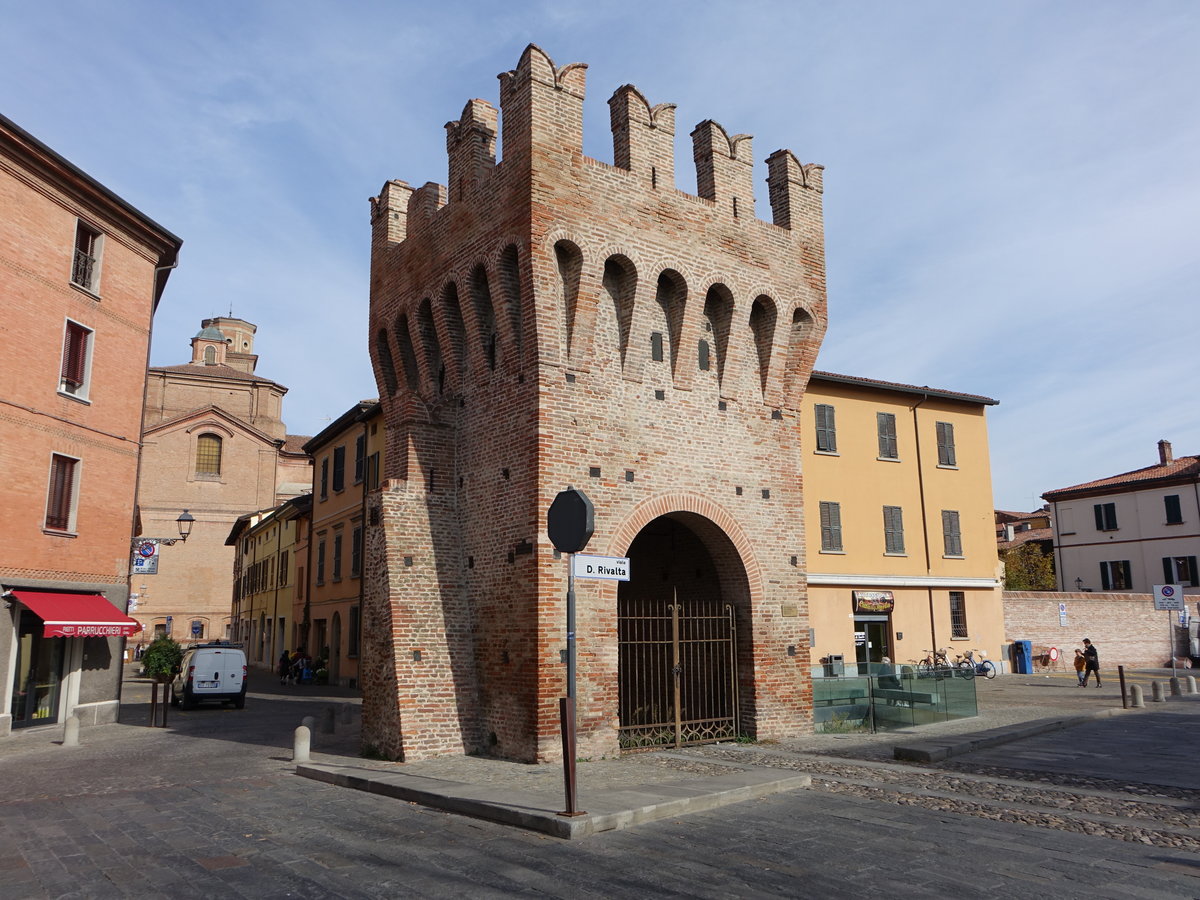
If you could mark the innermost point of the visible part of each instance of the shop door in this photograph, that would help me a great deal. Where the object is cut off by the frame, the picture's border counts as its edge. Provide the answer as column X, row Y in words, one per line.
column 38, row 678
column 870, row 642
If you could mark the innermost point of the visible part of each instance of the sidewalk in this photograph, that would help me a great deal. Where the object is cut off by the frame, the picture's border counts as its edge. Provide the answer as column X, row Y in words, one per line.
column 618, row 793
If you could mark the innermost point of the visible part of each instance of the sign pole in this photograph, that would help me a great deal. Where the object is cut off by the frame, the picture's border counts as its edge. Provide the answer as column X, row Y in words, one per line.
column 567, row 704
column 1171, row 641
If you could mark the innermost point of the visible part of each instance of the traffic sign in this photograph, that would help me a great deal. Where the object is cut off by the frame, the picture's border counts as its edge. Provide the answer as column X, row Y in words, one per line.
column 613, row 568
column 1168, row 596
column 570, row 521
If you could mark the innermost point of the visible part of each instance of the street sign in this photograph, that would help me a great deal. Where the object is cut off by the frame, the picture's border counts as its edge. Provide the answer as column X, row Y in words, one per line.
column 1168, row 596
column 613, row 568
column 570, row 521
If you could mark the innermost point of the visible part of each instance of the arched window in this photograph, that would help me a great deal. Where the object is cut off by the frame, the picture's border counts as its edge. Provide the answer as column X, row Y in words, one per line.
column 208, row 455
column 210, row 356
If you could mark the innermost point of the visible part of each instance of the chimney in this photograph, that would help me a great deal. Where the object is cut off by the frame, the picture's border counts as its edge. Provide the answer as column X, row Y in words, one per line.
column 1009, row 532
column 1164, row 453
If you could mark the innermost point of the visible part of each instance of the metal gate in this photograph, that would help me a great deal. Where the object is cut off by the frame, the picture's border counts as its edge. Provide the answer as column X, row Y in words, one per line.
column 677, row 672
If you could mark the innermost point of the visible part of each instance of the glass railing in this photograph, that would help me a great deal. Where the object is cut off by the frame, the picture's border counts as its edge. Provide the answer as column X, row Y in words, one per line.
column 887, row 697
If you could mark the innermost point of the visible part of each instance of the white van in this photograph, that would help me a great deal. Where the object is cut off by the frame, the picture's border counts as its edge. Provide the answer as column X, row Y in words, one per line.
column 215, row 671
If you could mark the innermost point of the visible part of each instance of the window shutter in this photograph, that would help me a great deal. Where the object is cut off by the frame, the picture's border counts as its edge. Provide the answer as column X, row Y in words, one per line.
column 1168, row 570
column 1173, row 509
column 945, row 442
column 1105, row 584
column 1192, row 571
column 1127, row 571
column 826, row 429
column 1099, row 510
column 74, row 360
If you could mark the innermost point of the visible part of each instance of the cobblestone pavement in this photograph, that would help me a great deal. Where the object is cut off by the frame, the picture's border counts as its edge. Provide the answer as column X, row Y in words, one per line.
column 210, row 807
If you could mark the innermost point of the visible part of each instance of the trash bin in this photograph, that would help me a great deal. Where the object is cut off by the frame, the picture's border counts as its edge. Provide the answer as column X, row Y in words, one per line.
column 1022, row 652
column 835, row 665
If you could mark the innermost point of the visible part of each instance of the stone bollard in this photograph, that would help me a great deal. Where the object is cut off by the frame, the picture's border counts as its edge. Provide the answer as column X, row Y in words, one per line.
column 1176, row 687
column 302, row 744
column 1191, row 684
column 71, row 732
column 348, row 714
column 327, row 720
column 1156, row 692
column 1135, row 697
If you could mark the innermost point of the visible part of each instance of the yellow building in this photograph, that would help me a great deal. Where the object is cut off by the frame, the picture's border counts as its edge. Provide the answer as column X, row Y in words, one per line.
column 264, row 579
column 900, row 534
column 346, row 464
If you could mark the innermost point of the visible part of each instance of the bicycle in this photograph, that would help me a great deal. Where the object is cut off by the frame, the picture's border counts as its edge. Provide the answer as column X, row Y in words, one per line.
column 934, row 660
column 972, row 666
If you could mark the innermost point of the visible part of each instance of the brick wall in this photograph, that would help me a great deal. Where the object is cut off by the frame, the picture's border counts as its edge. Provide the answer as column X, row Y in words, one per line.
column 1126, row 628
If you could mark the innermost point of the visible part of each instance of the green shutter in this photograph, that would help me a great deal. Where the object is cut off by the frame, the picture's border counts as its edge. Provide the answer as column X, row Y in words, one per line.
column 1105, row 584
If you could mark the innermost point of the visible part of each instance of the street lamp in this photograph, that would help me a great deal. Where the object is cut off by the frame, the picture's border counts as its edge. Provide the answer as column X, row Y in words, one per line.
column 1079, row 585
column 184, row 523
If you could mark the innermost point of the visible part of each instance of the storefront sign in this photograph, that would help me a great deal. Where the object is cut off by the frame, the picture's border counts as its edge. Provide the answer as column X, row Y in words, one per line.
column 874, row 601
column 118, row 629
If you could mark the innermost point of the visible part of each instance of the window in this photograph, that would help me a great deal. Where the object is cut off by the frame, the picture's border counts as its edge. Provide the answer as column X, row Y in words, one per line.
column 826, row 429
column 958, row 616
column 887, row 435
column 208, row 455
column 85, row 270
column 945, row 442
column 1115, row 576
column 373, row 471
column 337, row 556
column 210, row 356
column 656, row 346
column 352, row 635
column 831, row 526
column 360, row 458
column 64, row 486
column 321, row 562
column 325, row 478
column 1173, row 509
column 1106, row 516
column 951, row 533
column 893, row 530
column 356, row 548
column 339, row 468
column 300, row 582
column 283, row 568
column 76, row 360
column 1180, row 570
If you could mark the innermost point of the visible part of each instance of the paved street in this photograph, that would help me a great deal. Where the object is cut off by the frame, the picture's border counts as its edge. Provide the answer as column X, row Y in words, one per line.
column 210, row 807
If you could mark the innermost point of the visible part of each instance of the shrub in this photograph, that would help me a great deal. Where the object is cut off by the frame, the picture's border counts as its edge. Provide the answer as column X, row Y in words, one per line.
column 162, row 658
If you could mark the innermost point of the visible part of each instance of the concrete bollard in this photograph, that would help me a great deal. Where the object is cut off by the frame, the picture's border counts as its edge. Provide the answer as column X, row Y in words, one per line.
column 1191, row 684
column 1176, row 687
column 1156, row 692
column 1135, row 697
column 348, row 713
column 301, row 744
column 71, row 732
column 327, row 720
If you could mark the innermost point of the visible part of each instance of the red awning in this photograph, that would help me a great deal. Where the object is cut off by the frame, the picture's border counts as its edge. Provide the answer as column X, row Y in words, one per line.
column 78, row 615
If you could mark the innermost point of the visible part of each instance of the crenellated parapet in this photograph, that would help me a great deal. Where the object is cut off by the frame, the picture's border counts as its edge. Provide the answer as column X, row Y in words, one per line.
column 724, row 168
column 794, row 188
column 643, row 136
column 471, row 146
column 542, row 104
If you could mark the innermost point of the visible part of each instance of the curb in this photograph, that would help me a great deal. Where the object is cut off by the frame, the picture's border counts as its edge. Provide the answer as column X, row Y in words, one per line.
column 937, row 750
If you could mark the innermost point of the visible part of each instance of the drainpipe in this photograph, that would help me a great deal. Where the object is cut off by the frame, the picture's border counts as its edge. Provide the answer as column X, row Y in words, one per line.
column 1059, row 573
column 925, row 524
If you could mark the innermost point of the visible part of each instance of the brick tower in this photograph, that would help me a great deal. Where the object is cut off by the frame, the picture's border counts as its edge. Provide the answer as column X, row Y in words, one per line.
column 551, row 320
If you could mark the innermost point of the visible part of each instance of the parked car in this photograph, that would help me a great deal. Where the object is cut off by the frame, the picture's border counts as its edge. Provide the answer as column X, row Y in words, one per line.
column 214, row 671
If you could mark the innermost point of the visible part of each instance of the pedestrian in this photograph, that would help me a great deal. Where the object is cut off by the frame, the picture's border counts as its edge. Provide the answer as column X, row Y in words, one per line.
column 1080, row 662
column 1091, row 662
column 285, row 667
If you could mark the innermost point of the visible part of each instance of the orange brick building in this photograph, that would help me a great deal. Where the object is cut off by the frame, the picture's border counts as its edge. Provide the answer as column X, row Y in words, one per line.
column 548, row 320
column 81, row 273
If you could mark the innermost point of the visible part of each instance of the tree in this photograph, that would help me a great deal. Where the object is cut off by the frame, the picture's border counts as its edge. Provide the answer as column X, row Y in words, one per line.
column 162, row 658
column 1029, row 568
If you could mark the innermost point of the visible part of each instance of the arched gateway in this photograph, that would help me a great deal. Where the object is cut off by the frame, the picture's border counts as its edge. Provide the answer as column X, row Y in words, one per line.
column 679, row 618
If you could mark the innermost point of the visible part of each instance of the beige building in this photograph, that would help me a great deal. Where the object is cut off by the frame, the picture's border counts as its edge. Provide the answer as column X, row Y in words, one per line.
column 346, row 464
column 265, row 576
column 1131, row 531
column 214, row 444
column 901, row 538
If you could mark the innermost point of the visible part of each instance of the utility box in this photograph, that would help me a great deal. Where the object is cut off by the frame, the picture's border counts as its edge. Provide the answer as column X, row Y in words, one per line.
column 835, row 665
column 1022, row 657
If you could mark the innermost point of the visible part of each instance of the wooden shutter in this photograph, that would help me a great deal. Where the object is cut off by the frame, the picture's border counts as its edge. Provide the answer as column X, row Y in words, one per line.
column 1168, row 569
column 951, row 533
column 62, row 482
column 1105, row 584
column 1098, row 509
column 74, row 361
column 945, row 443
column 893, row 529
column 1127, row 571
column 887, row 435
column 1173, row 509
column 826, row 428
column 1193, row 576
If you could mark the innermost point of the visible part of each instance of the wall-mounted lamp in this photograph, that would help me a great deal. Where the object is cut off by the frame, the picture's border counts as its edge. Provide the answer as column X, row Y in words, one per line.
column 184, row 523
column 1078, row 584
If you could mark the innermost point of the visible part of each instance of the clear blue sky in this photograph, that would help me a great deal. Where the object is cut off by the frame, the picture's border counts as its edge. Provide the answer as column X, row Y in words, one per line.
column 1012, row 190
